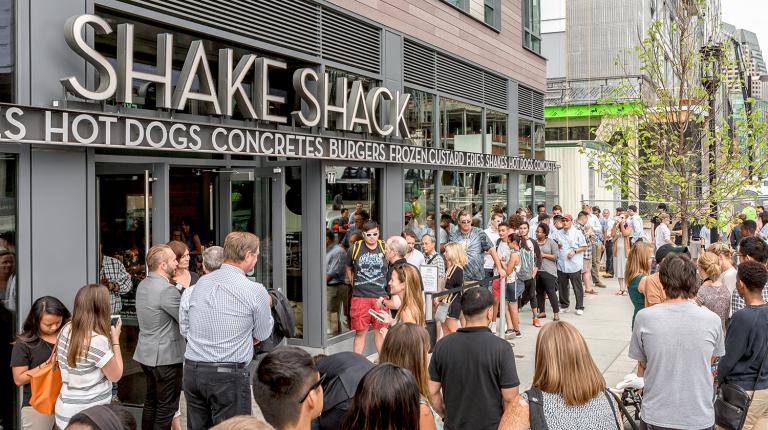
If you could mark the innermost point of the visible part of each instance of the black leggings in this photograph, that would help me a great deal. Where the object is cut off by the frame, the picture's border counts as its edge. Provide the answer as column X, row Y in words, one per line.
column 546, row 286
column 529, row 294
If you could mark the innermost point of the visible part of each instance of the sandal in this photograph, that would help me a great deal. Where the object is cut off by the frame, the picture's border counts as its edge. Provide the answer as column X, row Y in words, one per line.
column 556, row 318
column 541, row 316
column 590, row 292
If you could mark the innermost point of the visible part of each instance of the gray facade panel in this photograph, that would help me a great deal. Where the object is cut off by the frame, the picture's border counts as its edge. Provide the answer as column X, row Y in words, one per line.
column 50, row 58
column 601, row 31
column 60, row 224
column 553, row 46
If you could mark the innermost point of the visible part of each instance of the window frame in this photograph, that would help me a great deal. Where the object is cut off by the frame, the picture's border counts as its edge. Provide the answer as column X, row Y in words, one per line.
column 530, row 14
column 464, row 7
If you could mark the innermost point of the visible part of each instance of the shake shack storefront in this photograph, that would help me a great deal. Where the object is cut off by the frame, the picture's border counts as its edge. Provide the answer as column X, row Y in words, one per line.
column 127, row 125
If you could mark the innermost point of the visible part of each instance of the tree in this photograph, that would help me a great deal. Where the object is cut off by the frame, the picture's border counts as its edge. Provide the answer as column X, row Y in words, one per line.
column 679, row 145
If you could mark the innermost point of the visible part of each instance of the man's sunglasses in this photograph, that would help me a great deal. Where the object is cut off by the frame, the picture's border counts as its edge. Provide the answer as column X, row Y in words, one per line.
column 371, row 234
column 313, row 388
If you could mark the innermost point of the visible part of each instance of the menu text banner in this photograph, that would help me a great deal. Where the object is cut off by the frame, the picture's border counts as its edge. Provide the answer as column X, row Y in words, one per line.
column 81, row 128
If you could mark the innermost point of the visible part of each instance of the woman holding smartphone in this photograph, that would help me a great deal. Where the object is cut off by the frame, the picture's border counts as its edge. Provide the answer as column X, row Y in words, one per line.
column 34, row 347
column 405, row 283
column 89, row 355
column 620, row 234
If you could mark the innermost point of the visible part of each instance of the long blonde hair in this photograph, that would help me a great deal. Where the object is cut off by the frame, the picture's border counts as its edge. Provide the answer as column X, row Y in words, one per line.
column 638, row 261
column 407, row 345
column 564, row 365
column 456, row 254
column 90, row 315
column 413, row 298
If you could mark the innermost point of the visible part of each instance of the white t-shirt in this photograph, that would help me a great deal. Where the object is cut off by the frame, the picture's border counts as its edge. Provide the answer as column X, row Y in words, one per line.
column 85, row 385
column 504, row 252
column 728, row 278
column 493, row 236
column 663, row 235
column 416, row 258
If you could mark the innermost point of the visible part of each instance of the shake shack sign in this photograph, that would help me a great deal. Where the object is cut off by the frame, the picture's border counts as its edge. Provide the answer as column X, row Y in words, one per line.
column 352, row 108
column 111, row 130
column 243, row 86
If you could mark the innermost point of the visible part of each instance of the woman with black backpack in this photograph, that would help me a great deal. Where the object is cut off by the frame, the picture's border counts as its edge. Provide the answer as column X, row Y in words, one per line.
column 568, row 391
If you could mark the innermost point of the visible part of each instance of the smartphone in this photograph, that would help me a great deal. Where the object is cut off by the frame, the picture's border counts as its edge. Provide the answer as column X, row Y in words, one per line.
column 375, row 315
column 114, row 320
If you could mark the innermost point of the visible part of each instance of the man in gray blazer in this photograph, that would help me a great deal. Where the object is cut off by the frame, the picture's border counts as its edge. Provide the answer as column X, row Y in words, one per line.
column 160, row 349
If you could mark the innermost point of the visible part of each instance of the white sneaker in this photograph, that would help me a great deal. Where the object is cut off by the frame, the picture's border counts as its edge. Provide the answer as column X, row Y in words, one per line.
column 564, row 311
column 579, row 312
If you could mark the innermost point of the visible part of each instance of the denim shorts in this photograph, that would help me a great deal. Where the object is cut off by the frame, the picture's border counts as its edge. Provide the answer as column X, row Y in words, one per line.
column 514, row 291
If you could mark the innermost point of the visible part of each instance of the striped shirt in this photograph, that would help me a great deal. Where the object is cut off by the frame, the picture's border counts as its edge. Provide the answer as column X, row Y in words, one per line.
column 226, row 312
column 85, row 385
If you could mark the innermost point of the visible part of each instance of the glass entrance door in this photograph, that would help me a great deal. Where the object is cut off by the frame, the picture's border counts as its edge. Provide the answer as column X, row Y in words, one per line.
column 124, row 203
column 256, row 208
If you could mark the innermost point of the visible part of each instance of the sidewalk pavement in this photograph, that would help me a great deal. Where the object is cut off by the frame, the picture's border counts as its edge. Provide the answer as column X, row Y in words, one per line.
column 605, row 325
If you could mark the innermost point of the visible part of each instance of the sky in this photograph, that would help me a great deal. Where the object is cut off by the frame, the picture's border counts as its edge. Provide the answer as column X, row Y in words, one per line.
column 750, row 15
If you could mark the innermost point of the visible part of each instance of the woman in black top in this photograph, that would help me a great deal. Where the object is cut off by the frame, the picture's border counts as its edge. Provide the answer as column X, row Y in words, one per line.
column 746, row 343
column 32, row 348
column 456, row 258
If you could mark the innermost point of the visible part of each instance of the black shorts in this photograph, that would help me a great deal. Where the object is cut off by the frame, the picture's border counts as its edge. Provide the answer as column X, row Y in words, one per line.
column 454, row 311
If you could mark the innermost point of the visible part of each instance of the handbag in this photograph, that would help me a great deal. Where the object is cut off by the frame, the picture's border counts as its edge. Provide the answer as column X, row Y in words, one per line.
column 732, row 403
column 441, row 313
column 46, row 384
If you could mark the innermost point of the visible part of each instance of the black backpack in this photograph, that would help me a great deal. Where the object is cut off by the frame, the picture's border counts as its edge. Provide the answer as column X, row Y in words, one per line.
column 285, row 325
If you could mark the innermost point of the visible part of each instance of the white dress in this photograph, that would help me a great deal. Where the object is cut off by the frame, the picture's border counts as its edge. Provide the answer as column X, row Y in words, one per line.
column 620, row 259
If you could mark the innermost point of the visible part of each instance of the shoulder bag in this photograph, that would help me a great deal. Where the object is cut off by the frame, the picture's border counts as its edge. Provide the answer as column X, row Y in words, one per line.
column 46, row 383
column 732, row 403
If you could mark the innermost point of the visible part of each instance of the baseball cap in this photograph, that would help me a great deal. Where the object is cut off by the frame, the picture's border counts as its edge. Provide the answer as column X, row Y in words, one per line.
column 569, row 217
column 664, row 250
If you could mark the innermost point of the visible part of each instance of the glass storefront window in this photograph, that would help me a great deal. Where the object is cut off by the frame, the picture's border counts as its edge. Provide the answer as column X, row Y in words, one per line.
column 294, row 244
column 367, row 83
column 497, row 193
column 353, row 195
column 496, row 125
column 419, row 192
column 461, row 190
column 525, row 138
column 461, row 126
column 7, row 52
column 525, row 199
column 538, row 142
column 419, row 117
column 9, row 303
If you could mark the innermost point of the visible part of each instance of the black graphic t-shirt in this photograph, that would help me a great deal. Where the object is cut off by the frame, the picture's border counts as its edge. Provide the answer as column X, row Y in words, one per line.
column 370, row 271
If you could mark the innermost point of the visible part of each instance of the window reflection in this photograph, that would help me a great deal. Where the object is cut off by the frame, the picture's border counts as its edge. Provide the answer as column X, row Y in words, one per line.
column 350, row 200
column 418, row 116
column 524, row 138
column 8, row 287
column 496, row 125
column 419, row 189
column 460, row 126
column 497, row 193
column 460, row 190
column 333, row 74
column 538, row 142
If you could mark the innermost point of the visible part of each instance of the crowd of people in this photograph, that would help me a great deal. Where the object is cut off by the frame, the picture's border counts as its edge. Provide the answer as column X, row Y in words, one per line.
column 699, row 320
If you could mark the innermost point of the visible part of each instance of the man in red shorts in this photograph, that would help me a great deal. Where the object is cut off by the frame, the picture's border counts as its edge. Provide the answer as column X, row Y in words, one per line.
column 367, row 273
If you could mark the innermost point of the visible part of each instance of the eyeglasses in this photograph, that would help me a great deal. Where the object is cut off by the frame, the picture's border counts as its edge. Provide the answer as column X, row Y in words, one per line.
column 313, row 388
column 465, row 222
column 371, row 234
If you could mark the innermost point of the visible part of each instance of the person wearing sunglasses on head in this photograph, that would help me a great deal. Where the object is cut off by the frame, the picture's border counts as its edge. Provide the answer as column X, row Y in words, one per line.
column 288, row 389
